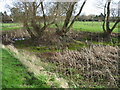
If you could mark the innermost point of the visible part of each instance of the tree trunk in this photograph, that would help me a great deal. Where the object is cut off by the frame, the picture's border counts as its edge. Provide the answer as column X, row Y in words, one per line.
column 25, row 22
column 66, row 27
column 103, row 25
column 68, row 17
column 108, row 31
column 76, row 15
column 29, row 30
column 33, row 20
column 115, row 24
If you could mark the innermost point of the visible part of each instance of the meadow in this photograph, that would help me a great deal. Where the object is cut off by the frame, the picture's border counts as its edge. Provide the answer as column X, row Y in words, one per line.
column 81, row 26
column 91, row 26
column 10, row 26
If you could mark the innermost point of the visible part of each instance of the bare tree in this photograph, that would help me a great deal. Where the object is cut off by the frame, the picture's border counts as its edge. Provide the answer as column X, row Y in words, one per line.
column 67, row 21
column 107, row 14
column 30, row 11
column 60, row 10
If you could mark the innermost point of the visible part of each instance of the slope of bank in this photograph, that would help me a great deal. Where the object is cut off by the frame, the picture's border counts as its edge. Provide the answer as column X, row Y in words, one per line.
column 15, row 75
column 18, row 71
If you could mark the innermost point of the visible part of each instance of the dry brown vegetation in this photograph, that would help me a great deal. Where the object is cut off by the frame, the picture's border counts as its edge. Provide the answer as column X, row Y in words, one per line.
column 97, row 64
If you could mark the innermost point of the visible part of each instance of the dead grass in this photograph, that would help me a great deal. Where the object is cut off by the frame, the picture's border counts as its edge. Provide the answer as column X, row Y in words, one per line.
column 97, row 64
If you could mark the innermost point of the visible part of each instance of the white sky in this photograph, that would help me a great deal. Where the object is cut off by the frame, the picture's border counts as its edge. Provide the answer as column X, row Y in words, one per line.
column 90, row 7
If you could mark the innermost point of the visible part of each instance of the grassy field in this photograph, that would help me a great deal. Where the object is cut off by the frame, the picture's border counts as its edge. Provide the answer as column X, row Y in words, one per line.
column 10, row 26
column 15, row 75
column 91, row 26
column 81, row 26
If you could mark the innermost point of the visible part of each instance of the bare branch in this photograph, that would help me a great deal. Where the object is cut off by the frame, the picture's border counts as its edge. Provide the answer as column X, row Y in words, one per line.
column 104, row 18
column 44, row 16
column 77, row 15
column 38, row 5
column 108, row 15
column 115, row 24
column 68, row 16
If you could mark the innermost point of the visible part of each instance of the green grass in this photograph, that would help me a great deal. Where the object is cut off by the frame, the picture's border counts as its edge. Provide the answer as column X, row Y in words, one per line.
column 15, row 75
column 78, row 25
column 10, row 26
column 91, row 26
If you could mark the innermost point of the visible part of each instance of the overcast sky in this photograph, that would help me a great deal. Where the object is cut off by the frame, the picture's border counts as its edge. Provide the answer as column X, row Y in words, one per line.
column 90, row 6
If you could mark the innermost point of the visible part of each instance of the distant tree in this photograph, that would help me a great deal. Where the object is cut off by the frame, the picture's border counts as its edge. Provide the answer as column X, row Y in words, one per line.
column 101, row 17
column 5, row 18
column 1, row 15
column 5, row 13
column 82, row 18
